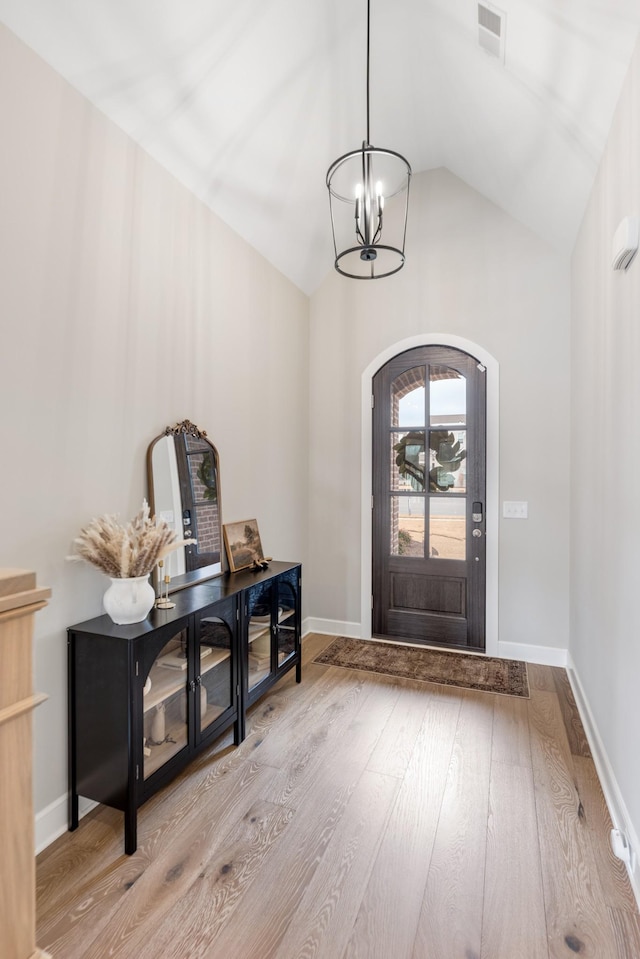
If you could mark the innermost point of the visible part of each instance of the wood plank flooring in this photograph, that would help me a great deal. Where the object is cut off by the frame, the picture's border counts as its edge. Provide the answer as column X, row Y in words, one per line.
column 363, row 817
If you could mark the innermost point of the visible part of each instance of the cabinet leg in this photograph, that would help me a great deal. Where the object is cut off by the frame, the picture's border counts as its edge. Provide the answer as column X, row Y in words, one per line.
column 240, row 729
column 73, row 811
column 130, row 831
column 299, row 671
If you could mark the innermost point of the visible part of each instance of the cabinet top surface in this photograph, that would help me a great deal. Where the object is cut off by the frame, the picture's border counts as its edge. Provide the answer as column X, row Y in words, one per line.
column 188, row 601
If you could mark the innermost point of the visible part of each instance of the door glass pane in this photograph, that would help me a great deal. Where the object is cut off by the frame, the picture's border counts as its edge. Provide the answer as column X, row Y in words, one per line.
column 447, row 528
column 215, row 669
column 407, row 526
column 407, row 460
column 164, row 703
column 407, row 398
column 447, row 461
column 259, row 635
column 286, row 621
column 447, row 397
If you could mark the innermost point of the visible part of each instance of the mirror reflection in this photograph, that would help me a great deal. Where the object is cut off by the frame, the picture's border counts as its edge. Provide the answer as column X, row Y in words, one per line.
column 184, row 490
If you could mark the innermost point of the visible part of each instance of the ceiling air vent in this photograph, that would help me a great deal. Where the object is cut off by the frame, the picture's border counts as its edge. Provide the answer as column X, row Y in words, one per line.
column 492, row 24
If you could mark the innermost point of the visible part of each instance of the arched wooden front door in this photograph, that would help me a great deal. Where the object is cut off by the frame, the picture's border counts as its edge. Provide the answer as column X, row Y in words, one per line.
column 429, row 452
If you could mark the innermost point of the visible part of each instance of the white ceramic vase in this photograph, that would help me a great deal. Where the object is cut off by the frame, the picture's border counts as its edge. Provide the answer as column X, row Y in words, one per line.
column 128, row 600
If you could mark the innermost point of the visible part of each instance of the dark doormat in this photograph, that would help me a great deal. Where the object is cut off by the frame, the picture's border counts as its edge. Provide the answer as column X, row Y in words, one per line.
column 506, row 676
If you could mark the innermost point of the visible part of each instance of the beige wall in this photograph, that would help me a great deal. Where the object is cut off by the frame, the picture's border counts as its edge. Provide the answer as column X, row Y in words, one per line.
column 605, row 453
column 126, row 306
column 475, row 273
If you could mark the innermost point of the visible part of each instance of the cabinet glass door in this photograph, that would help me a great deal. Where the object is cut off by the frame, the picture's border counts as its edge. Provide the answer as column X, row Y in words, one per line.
column 214, row 678
column 164, row 706
column 259, row 634
column 286, row 626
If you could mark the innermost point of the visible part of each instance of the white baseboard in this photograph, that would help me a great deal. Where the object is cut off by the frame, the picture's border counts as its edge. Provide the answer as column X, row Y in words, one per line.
column 331, row 627
column 53, row 821
column 542, row 655
column 612, row 794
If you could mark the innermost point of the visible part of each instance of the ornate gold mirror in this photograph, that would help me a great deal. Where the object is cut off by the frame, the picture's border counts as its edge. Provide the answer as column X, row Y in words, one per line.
column 184, row 490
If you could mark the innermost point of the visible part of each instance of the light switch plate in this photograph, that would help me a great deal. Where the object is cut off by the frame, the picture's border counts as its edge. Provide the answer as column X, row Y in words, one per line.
column 515, row 510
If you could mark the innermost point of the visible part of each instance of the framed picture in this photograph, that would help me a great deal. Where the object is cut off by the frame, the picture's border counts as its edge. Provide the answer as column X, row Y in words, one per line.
column 242, row 542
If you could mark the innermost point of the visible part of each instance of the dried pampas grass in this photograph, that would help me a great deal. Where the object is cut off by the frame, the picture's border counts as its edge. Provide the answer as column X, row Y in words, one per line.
column 126, row 551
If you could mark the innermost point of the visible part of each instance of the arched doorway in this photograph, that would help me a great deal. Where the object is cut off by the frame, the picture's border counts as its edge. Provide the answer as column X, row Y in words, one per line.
column 429, row 498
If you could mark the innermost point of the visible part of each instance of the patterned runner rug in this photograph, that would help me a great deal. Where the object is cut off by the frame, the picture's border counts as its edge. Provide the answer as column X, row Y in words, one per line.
column 506, row 676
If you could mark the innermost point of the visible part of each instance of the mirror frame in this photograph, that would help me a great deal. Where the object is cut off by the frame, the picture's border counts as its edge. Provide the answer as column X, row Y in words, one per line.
column 203, row 573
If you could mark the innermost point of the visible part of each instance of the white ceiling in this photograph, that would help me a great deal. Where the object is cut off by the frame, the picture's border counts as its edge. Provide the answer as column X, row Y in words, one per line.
column 247, row 102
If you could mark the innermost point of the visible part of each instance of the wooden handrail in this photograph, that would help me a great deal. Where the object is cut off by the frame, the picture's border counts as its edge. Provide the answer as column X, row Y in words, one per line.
column 23, row 706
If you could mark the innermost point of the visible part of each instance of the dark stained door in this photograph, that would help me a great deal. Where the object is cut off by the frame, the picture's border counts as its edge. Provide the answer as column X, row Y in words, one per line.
column 429, row 451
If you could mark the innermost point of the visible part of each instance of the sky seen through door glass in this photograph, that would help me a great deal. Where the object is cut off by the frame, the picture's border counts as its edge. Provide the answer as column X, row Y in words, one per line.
column 447, row 398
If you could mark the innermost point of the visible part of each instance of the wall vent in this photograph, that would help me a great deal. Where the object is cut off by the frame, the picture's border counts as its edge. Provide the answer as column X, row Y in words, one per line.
column 492, row 24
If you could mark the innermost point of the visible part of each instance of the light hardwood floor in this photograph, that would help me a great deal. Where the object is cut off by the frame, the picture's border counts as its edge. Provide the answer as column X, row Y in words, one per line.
column 365, row 818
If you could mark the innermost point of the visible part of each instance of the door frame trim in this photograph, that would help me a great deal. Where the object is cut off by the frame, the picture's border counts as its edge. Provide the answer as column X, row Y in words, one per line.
column 492, row 477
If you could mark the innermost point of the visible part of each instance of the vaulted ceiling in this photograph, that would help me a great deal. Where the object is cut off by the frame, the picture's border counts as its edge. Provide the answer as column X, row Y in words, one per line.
column 247, row 102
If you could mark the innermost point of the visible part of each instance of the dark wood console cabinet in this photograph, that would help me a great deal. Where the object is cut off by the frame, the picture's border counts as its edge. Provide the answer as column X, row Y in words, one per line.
column 144, row 699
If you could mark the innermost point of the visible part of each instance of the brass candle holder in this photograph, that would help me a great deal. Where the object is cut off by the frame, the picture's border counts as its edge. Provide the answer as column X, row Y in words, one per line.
column 163, row 601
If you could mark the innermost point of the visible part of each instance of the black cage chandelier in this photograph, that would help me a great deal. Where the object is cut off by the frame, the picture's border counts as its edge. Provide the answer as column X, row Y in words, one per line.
column 369, row 191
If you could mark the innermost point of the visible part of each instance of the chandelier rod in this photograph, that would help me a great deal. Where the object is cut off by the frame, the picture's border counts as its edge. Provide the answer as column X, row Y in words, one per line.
column 368, row 48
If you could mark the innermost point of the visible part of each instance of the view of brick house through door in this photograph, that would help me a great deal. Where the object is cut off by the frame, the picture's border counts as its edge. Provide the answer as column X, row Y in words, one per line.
column 428, row 507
